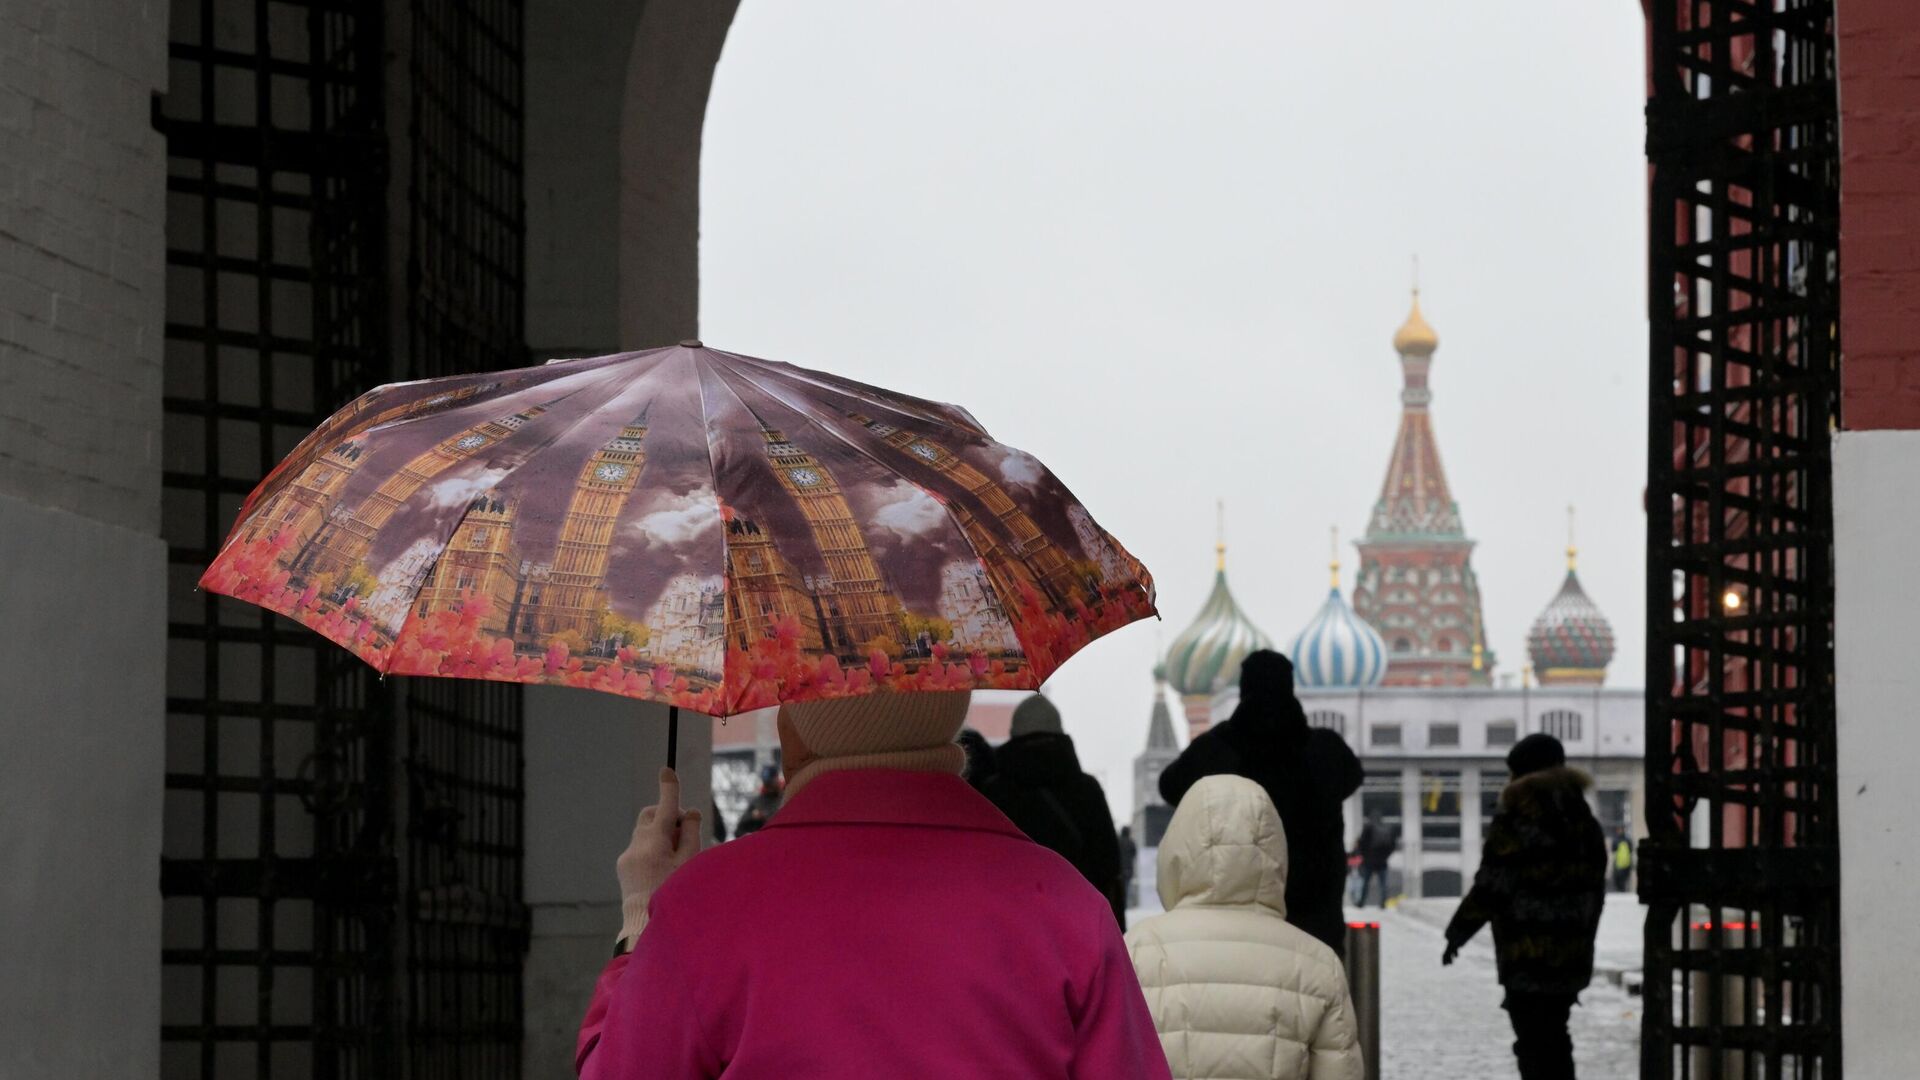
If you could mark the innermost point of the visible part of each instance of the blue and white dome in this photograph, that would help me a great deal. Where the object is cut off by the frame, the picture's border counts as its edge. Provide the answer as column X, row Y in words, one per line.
column 1338, row 648
column 1206, row 657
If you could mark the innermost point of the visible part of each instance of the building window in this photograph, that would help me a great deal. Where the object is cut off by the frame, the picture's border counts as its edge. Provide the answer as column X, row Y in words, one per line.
column 1401, row 645
column 1444, row 645
column 1492, row 783
column 1327, row 718
column 1502, row 733
column 1440, row 809
column 1562, row 724
column 1443, row 735
column 1384, row 735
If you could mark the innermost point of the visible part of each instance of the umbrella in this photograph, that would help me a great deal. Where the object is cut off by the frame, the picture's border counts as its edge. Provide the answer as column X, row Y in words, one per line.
column 684, row 525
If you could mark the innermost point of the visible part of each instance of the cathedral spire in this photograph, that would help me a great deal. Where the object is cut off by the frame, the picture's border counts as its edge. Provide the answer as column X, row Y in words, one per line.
column 1416, row 585
column 1573, row 550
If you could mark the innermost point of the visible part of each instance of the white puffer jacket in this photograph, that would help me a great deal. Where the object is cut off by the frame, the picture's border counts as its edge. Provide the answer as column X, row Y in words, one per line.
column 1237, row 993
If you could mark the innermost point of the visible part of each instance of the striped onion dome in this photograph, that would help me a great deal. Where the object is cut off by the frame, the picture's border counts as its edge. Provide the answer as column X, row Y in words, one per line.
column 1206, row 656
column 1571, row 641
column 1338, row 648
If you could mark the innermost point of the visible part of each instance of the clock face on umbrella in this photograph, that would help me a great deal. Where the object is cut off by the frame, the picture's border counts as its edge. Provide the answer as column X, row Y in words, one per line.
column 471, row 442
column 926, row 451
column 804, row 477
column 610, row 472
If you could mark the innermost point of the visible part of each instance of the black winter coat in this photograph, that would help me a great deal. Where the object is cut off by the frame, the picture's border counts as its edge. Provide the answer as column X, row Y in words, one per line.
column 1542, row 882
column 1040, row 786
column 1308, row 774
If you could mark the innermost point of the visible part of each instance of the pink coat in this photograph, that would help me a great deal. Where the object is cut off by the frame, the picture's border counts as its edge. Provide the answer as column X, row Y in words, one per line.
column 883, row 924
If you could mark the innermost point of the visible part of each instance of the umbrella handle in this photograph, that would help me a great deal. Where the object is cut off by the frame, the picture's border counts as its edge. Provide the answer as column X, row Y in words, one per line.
column 673, row 736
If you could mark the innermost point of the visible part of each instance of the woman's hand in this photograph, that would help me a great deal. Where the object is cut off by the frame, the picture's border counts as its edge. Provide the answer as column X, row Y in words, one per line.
column 664, row 838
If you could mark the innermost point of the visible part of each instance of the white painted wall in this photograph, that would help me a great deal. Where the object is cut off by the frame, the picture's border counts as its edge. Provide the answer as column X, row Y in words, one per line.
column 1877, row 591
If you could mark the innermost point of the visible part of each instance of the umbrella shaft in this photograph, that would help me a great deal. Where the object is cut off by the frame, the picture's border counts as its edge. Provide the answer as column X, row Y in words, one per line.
column 673, row 736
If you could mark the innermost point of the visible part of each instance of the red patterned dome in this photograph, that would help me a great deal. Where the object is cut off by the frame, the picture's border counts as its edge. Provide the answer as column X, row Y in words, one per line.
column 1571, row 642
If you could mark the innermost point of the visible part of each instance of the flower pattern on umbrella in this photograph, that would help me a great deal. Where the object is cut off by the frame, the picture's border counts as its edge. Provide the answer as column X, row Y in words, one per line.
column 682, row 525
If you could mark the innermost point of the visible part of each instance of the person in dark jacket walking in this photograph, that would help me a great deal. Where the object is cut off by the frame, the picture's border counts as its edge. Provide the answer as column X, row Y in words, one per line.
column 980, row 767
column 1038, row 783
column 1542, row 882
column 1129, row 854
column 1308, row 774
column 1374, row 846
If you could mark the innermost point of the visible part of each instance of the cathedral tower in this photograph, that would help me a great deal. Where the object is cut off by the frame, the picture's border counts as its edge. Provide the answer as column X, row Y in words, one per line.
column 858, row 605
column 346, row 540
column 1049, row 566
column 1416, row 585
column 762, row 589
column 481, row 560
column 301, row 507
column 574, row 596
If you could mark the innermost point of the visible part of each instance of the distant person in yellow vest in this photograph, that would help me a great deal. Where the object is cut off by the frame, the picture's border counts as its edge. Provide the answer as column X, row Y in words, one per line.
column 1622, row 860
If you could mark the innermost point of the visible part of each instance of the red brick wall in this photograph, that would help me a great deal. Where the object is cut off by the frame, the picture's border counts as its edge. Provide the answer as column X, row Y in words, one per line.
column 1879, row 43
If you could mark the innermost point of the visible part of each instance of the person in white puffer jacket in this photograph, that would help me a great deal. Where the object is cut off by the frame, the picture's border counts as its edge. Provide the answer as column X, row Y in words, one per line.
column 1236, row 992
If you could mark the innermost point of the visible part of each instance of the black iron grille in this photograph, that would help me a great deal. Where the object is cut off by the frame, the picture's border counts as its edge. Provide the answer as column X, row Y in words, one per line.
column 1740, row 872
column 342, row 856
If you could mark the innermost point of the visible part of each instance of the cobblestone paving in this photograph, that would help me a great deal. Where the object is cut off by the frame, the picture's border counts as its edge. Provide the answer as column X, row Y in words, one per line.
column 1446, row 1023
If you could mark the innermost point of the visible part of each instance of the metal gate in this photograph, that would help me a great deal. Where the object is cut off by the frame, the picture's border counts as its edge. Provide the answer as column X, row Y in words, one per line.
column 1740, row 872
column 466, row 922
column 341, row 863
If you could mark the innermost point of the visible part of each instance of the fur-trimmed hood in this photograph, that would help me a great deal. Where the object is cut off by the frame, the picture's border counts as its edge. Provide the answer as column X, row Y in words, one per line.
column 1547, row 789
column 1551, row 800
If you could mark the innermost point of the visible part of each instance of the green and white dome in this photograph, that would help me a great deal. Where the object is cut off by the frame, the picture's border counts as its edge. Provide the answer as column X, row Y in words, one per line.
column 1206, row 657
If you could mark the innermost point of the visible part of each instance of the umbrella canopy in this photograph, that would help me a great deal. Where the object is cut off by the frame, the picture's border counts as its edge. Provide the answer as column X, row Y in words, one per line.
column 682, row 525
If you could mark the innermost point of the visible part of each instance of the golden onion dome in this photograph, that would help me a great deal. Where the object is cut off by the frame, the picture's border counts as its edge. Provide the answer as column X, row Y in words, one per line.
column 1415, row 337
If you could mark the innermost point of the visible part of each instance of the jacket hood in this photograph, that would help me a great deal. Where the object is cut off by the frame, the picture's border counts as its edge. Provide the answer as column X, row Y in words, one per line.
column 1224, row 848
column 1547, row 794
column 1042, row 757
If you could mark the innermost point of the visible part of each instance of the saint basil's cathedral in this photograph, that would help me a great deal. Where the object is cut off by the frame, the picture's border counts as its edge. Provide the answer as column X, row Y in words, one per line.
column 1405, row 675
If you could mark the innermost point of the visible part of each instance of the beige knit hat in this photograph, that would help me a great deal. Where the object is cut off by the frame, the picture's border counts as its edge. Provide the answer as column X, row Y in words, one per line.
column 881, row 730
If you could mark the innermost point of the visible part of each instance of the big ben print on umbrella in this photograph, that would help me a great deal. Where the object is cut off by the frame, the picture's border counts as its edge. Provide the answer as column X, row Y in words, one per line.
column 683, row 525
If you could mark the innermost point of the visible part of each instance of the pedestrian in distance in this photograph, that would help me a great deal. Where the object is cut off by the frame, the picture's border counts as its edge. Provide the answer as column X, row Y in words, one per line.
column 1374, row 847
column 1038, row 783
column 1542, row 882
column 1236, row 991
column 765, row 801
column 1622, row 861
column 1307, row 772
column 1129, row 854
column 980, row 766
column 888, row 921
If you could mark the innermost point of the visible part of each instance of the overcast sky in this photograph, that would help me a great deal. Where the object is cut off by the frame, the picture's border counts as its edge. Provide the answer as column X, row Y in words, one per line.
column 1165, row 250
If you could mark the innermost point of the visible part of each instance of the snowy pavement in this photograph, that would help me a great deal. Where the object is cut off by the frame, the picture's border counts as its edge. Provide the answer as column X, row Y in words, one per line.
column 1445, row 1023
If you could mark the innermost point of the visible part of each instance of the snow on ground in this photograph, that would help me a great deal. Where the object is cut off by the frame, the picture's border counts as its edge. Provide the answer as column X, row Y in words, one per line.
column 1445, row 1023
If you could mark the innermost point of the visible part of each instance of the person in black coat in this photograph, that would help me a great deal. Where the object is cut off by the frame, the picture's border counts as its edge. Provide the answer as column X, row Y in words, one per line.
column 1542, row 883
column 1307, row 773
column 1375, row 847
column 980, row 767
column 1038, row 783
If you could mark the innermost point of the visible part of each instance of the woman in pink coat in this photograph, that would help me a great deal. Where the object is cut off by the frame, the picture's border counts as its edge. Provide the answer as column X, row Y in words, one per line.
column 888, row 922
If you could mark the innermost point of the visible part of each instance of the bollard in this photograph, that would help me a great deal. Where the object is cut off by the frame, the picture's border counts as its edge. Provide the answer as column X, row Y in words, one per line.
column 1732, row 990
column 1363, row 984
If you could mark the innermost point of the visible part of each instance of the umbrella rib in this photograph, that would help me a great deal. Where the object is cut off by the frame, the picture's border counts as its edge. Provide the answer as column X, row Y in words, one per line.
column 806, row 414
column 727, row 693
column 942, row 413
